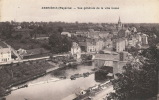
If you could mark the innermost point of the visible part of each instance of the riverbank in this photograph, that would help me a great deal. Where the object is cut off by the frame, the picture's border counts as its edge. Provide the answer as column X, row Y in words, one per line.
column 61, row 71
column 44, row 88
column 23, row 72
column 15, row 74
column 19, row 73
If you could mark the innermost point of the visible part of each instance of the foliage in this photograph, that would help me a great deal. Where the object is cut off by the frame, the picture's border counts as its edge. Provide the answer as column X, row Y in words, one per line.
column 67, row 43
column 6, row 29
column 133, row 51
column 15, row 73
column 138, row 83
column 152, row 54
column 2, row 91
column 86, row 57
column 155, row 31
column 58, row 43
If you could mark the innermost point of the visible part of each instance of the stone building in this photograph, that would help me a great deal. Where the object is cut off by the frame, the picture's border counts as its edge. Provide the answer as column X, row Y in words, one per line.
column 5, row 52
column 76, row 50
column 119, row 44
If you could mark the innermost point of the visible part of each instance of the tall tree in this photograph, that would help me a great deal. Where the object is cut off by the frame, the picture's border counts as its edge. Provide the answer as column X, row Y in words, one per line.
column 55, row 42
column 59, row 43
column 66, row 42
column 6, row 29
column 139, row 80
column 60, row 30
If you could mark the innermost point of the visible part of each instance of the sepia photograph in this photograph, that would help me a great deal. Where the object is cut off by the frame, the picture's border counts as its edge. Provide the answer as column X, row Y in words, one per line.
column 79, row 49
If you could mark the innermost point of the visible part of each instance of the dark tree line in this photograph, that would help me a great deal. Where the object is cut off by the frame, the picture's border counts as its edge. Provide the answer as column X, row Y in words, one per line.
column 139, row 80
column 6, row 29
column 58, row 43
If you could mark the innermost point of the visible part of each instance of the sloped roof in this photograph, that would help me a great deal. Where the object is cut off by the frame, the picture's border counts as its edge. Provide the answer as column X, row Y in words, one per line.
column 65, row 33
column 82, row 44
column 104, row 33
column 118, row 39
column 35, row 51
column 107, row 51
column 107, row 57
column 85, row 44
column 5, row 50
column 81, row 32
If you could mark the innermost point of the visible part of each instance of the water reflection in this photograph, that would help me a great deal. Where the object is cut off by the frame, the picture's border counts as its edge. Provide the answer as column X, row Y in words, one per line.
column 55, row 90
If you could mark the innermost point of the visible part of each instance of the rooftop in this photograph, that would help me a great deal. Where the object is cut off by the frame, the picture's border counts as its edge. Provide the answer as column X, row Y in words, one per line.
column 5, row 50
column 85, row 44
column 119, row 40
column 111, row 57
column 36, row 51
column 65, row 33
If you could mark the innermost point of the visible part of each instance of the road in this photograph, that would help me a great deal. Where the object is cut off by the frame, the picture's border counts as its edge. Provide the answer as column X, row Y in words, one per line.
column 24, row 60
column 103, row 93
column 31, row 59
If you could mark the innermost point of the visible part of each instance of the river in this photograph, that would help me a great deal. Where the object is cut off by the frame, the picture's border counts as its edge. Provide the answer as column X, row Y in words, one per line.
column 55, row 90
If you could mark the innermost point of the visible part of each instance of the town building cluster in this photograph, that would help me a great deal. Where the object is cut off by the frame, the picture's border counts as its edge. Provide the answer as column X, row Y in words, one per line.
column 111, row 48
column 118, row 39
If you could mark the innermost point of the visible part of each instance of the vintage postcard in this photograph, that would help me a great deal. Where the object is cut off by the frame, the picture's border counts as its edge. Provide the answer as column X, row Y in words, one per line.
column 79, row 49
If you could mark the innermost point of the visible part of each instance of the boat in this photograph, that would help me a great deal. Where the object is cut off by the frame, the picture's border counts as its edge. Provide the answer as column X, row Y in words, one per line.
column 94, row 69
column 77, row 75
column 72, row 78
column 86, row 74
column 62, row 77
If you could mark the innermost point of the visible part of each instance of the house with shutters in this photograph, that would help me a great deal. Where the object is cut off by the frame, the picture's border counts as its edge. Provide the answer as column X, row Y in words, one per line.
column 5, row 53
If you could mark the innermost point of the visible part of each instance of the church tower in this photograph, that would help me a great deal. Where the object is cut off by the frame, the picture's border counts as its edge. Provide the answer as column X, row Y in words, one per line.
column 119, row 25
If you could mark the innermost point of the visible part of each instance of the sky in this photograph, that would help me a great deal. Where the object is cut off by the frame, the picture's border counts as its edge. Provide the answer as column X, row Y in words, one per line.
column 130, row 11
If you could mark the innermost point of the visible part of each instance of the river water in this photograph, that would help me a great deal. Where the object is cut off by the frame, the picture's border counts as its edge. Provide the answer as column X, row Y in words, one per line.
column 55, row 90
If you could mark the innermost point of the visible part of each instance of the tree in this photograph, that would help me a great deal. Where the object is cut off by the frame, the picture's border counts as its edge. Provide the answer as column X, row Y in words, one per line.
column 152, row 53
column 2, row 91
column 155, row 31
column 133, row 51
column 55, row 42
column 136, row 84
column 66, row 44
column 6, row 29
column 138, row 81
column 60, row 30
column 59, row 43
